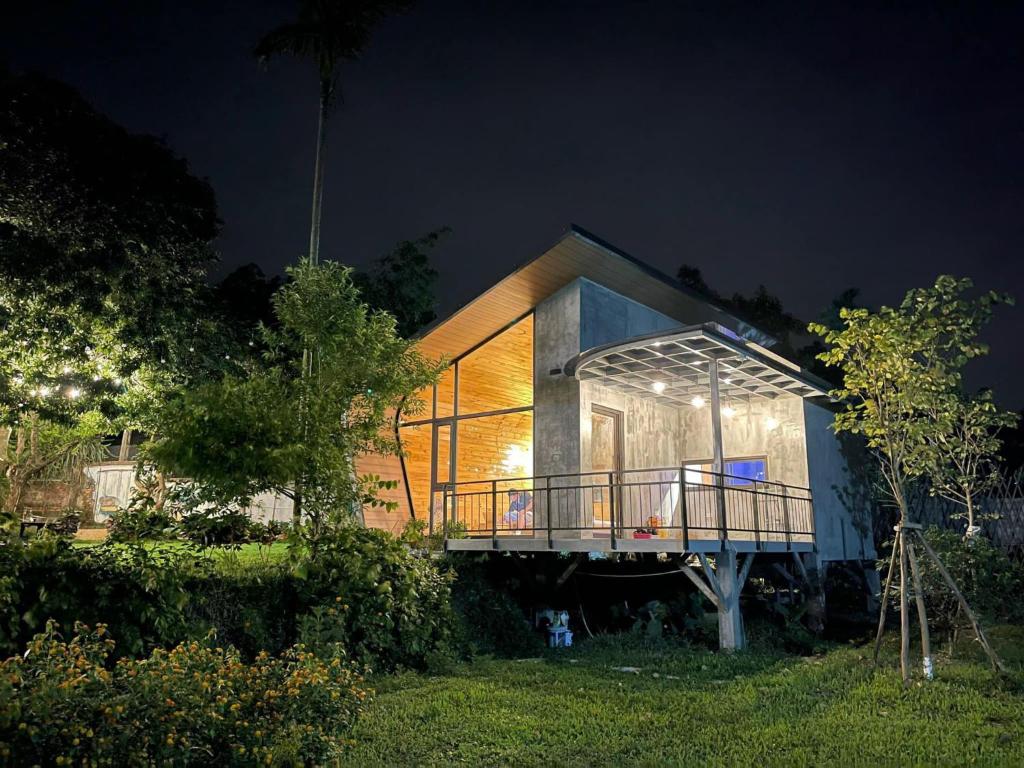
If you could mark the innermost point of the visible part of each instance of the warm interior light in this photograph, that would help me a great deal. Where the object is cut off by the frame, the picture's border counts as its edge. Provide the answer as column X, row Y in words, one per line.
column 697, row 402
column 74, row 392
column 518, row 459
column 771, row 422
column 658, row 387
column 728, row 411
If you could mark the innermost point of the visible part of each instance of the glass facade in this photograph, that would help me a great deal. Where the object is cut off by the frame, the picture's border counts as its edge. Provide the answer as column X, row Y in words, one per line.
column 480, row 414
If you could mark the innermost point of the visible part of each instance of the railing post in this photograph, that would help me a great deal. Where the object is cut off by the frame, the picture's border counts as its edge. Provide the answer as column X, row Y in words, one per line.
column 757, row 518
column 785, row 517
column 683, row 514
column 723, row 517
column 611, row 508
column 444, row 518
column 494, row 513
column 547, row 508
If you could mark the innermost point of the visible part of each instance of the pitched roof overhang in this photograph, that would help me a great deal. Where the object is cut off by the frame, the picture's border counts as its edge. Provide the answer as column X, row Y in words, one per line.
column 576, row 254
column 671, row 367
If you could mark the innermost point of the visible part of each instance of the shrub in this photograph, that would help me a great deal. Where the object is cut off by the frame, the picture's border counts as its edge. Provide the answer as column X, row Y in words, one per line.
column 192, row 705
column 391, row 607
column 220, row 527
column 140, row 591
column 985, row 575
column 489, row 619
column 142, row 519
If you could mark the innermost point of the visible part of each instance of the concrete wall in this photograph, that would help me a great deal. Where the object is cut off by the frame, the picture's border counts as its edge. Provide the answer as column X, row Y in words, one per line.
column 607, row 317
column 842, row 532
column 556, row 397
column 759, row 427
column 652, row 433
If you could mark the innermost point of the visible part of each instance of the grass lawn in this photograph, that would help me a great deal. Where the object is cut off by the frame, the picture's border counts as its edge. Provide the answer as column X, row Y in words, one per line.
column 694, row 707
column 247, row 553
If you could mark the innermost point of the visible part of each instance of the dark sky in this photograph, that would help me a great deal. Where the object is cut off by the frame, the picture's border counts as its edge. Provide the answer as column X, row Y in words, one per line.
column 807, row 146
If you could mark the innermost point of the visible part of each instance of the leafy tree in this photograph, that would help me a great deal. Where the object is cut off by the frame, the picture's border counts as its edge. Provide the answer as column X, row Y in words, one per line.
column 326, row 32
column 901, row 366
column 902, row 373
column 278, row 428
column 403, row 283
column 245, row 297
column 763, row 310
column 964, row 449
column 104, row 246
column 691, row 277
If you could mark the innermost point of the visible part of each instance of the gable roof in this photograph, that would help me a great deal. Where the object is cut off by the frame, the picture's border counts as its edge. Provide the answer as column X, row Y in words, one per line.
column 577, row 254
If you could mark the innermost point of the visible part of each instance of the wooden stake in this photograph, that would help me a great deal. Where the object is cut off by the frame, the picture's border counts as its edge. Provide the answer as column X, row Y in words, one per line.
column 904, row 613
column 997, row 663
column 922, row 616
column 885, row 596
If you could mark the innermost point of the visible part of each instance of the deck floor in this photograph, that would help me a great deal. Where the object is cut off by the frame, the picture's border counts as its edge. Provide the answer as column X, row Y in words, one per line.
column 540, row 543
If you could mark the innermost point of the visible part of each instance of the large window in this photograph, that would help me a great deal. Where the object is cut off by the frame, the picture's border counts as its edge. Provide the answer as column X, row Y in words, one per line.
column 482, row 407
column 737, row 472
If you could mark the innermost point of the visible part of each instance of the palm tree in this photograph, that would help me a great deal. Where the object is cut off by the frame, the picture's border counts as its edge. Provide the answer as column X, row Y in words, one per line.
column 326, row 32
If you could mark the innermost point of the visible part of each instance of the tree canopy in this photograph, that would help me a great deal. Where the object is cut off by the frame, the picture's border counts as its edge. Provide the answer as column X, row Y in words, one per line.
column 902, row 373
column 274, row 428
column 105, row 241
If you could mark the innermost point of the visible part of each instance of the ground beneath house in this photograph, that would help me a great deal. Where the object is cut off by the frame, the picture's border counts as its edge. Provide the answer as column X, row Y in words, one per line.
column 609, row 702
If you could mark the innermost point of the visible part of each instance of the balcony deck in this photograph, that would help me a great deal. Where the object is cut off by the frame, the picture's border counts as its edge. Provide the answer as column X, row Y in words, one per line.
column 672, row 509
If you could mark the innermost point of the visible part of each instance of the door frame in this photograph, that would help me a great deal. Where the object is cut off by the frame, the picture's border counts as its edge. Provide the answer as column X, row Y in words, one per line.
column 618, row 448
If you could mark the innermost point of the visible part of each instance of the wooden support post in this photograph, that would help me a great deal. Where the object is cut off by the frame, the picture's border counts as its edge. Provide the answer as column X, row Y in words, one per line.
column 745, row 570
column 904, row 612
column 730, row 620
column 922, row 616
column 569, row 570
column 885, row 596
column 997, row 663
column 704, row 588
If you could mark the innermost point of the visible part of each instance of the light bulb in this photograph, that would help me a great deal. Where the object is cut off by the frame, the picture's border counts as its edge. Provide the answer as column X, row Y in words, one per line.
column 697, row 402
column 728, row 411
column 771, row 422
column 658, row 387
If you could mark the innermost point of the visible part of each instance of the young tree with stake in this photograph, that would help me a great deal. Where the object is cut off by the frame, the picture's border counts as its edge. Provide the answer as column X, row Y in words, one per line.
column 900, row 366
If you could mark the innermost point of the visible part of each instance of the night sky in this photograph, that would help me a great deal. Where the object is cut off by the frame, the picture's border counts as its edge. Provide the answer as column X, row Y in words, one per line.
column 807, row 146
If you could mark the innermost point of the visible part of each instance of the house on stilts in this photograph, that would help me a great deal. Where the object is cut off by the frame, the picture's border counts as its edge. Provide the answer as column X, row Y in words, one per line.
column 594, row 404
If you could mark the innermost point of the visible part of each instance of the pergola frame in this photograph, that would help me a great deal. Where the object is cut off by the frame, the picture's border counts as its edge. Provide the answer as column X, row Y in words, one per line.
column 671, row 367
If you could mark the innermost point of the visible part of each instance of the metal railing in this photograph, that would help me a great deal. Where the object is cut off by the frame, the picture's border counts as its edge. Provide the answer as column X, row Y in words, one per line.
column 681, row 503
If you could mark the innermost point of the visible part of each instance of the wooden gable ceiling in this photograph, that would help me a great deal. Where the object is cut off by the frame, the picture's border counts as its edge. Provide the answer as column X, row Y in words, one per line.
column 577, row 254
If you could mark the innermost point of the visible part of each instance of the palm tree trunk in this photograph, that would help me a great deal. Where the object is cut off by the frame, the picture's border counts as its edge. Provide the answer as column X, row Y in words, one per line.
column 318, row 180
